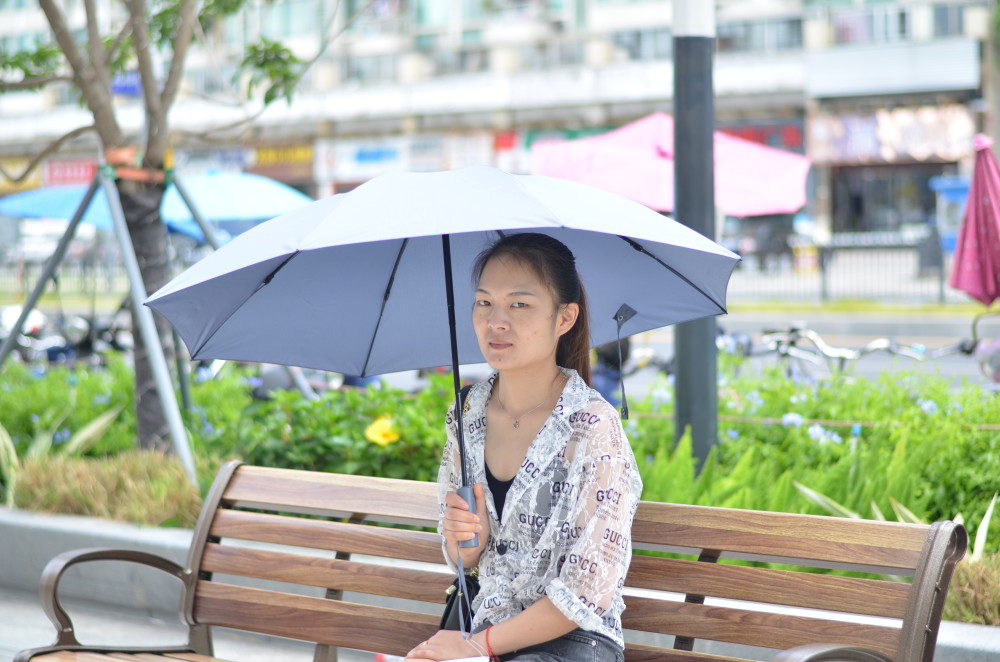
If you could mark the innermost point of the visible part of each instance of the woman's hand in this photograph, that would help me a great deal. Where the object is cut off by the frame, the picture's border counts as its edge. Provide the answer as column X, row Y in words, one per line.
column 458, row 525
column 446, row 645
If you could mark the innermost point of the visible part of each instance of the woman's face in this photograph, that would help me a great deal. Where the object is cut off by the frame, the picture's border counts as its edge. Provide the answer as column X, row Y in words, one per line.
column 517, row 321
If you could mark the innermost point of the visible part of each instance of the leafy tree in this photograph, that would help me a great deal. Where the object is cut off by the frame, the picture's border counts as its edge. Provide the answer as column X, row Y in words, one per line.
column 133, row 39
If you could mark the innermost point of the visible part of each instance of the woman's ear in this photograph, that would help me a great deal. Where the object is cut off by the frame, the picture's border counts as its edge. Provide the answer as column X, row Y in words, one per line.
column 566, row 317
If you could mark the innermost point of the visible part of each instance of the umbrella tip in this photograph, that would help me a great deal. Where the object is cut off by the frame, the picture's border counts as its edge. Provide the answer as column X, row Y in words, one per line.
column 981, row 142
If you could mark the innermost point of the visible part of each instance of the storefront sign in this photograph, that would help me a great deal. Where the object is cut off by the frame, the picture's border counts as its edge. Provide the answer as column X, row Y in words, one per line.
column 286, row 163
column 935, row 134
column 58, row 172
column 779, row 134
column 357, row 161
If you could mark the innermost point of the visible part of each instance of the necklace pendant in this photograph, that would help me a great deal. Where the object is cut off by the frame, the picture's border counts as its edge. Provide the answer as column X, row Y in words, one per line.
column 517, row 424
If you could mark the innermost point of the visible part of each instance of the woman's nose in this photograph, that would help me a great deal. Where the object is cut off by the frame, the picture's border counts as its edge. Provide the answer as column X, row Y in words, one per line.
column 497, row 319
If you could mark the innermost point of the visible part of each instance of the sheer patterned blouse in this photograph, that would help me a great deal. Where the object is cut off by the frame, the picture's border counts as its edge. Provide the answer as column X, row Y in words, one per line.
column 566, row 528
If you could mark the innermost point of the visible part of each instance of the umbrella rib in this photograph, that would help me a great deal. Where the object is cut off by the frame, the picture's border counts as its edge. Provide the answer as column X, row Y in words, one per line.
column 641, row 249
column 385, row 300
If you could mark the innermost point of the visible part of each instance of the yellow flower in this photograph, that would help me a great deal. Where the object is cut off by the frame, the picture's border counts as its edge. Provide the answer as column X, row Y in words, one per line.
column 382, row 431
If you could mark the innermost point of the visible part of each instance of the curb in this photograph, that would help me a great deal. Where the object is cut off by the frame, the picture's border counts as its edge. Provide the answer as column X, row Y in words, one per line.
column 28, row 540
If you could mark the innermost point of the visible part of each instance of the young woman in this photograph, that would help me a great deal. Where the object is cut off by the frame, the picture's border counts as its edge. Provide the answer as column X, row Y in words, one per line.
column 555, row 480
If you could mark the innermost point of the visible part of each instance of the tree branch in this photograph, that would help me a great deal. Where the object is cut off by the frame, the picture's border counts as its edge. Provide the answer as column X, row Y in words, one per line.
column 186, row 21
column 143, row 50
column 31, row 83
column 109, row 55
column 241, row 123
column 94, row 45
column 51, row 148
column 98, row 98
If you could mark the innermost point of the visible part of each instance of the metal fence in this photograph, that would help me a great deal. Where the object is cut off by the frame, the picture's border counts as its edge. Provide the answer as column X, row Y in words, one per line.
column 876, row 274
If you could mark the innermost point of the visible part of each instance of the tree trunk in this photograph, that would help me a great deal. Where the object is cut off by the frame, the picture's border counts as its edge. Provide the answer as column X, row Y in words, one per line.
column 141, row 204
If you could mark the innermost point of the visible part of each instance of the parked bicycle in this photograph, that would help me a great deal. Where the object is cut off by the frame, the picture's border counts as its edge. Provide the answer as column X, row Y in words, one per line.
column 801, row 349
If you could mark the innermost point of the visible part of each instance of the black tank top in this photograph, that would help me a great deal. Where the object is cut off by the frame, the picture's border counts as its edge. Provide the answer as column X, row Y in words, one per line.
column 499, row 489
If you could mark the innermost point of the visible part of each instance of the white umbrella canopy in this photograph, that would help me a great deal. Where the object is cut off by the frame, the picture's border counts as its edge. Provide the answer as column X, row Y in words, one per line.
column 355, row 283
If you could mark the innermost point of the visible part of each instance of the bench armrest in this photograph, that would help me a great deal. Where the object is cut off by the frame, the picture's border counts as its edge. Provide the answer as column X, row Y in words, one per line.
column 54, row 569
column 830, row 653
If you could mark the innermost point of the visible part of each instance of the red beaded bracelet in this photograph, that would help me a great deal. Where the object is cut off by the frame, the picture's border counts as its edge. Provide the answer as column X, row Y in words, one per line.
column 489, row 649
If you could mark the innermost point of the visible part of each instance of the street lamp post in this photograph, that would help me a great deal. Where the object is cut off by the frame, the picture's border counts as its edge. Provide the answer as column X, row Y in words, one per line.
column 694, row 205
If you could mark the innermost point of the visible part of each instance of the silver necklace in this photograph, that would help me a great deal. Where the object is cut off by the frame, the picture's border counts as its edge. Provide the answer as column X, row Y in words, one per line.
column 517, row 421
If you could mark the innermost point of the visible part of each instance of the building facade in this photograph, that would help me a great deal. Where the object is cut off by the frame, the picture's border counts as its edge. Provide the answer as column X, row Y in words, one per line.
column 883, row 96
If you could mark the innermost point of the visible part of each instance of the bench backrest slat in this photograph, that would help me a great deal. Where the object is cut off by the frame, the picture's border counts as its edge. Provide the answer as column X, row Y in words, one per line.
column 890, row 546
column 322, row 534
column 331, row 622
column 380, row 499
column 329, row 573
column 770, row 586
column 753, row 628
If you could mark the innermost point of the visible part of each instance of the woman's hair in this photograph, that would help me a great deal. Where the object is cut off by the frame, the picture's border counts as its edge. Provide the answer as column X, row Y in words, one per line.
column 554, row 263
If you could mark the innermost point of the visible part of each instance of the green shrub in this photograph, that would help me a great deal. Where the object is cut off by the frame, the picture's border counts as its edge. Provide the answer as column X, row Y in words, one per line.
column 329, row 434
column 910, row 438
column 61, row 401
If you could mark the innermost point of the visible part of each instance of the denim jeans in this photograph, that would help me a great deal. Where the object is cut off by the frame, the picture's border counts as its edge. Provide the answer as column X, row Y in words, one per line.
column 576, row 646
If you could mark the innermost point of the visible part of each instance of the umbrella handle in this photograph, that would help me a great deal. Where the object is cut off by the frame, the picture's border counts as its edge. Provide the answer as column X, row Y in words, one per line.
column 470, row 498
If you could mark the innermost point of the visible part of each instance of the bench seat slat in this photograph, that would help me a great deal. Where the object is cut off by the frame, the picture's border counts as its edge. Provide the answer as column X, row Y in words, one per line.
column 313, row 491
column 754, row 628
column 331, row 622
column 320, row 534
column 645, row 653
column 781, row 587
column 893, row 545
column 386, row 580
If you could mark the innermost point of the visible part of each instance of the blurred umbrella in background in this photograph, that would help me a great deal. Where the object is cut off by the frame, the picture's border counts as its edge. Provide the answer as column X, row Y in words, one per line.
column 234, row 201
column 976, row 269
column 637, row 161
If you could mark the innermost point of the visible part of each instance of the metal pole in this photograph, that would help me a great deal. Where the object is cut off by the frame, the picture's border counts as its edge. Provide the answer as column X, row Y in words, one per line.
column 206, row 230
column 694, row 195
column 48, row 271
column 147, row 326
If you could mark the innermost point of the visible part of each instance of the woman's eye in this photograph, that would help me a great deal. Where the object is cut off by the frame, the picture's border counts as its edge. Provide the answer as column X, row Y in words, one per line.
column 519, row 304
column 482, row 302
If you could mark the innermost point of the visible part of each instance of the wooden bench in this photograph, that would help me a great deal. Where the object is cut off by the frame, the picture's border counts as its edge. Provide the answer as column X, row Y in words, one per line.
column 381, row 588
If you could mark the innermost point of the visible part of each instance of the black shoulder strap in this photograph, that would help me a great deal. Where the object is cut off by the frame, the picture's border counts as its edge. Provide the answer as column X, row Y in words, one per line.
column 464, row 393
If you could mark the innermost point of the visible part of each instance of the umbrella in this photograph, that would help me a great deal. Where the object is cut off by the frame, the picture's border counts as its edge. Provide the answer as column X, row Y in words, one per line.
column 636, row 161
column 362, row 282
column 976, row 268
column 236, row 199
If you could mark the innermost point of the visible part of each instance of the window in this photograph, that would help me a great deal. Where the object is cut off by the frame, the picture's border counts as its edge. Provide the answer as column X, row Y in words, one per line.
column 760, row 36
column 948, row 20
column 649, row 44
column 876, row 25
column 370, row 68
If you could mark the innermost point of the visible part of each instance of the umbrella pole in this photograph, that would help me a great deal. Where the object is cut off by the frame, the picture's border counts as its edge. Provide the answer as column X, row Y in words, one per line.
column 465, row 491
column 50, row 268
